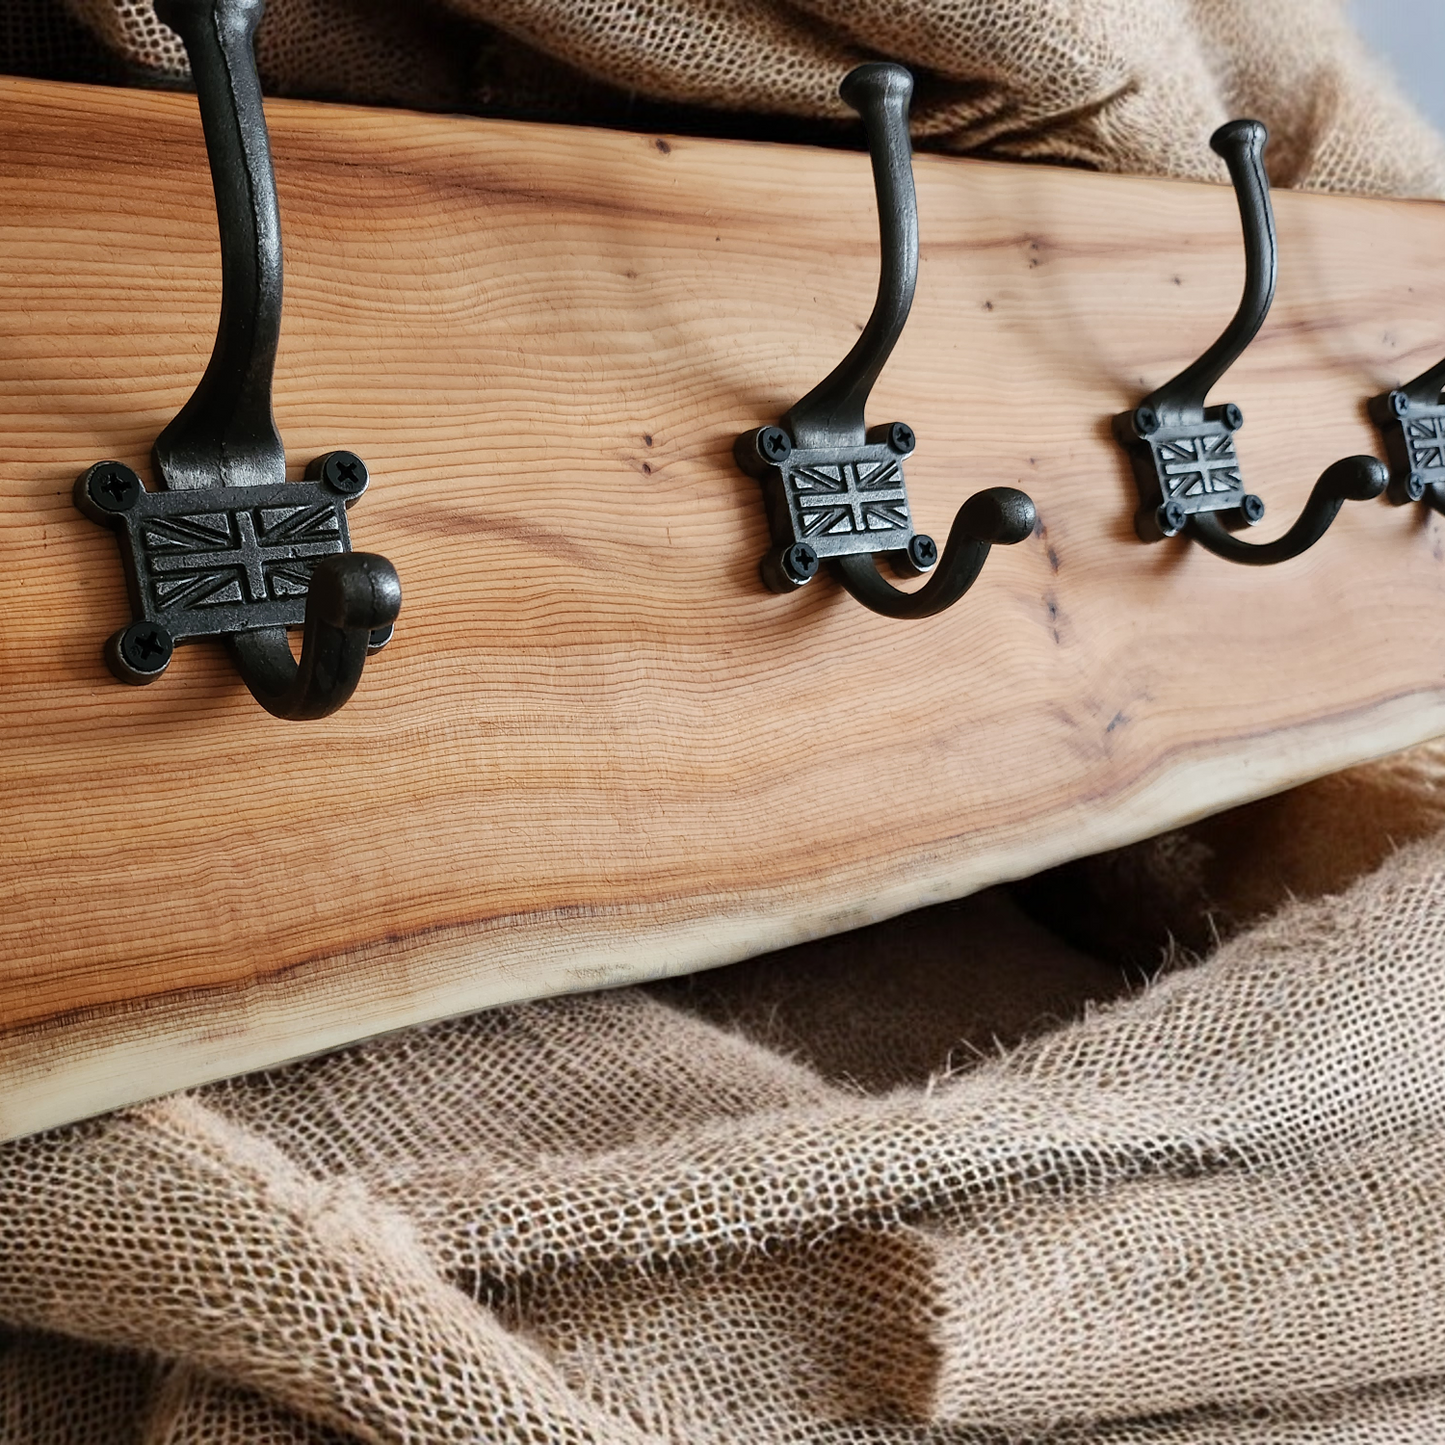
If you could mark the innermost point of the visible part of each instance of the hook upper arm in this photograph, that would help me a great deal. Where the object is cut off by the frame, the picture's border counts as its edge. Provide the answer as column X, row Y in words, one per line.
column 225, row 434
column 834, row 409
column 1241, row 143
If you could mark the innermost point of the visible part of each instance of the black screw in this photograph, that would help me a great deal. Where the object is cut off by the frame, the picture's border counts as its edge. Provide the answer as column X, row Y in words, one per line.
column 774, row 445
column 344, row 472
column 800, row 562
column 922, row 551
column 1252, row 507
column 145, row 648
column 1146, row 421
column 1232, row 417
column 1172, row 517
column 1415, row 487
column 901, row 438
column 1399, row 403
column 113, row 487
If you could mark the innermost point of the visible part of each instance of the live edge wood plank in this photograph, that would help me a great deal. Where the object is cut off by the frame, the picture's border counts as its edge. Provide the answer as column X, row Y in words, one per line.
column 597, row 751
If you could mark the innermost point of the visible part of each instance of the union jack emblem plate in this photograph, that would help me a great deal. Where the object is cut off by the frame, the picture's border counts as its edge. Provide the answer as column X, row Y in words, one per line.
column 218, row 560
column 846, row 501
column 1197, row 466
column 1423, row 431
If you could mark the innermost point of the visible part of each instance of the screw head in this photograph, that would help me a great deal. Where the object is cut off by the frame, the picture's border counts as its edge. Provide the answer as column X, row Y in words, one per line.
column 113, row 487
column 800, row 562
column 901, row 438
column 1252, row 507
column 922, row 551
column 1172, row 517
column 1399, row 403
column 343, row 473
column 1232, row 417
column 1146, row 420
column 774, row 445
column 1415, row 486
column 145, row 650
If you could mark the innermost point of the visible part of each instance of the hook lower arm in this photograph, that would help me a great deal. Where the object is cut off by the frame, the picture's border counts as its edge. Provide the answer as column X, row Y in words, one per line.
column 1000, row 515
column 350, row 597
column 1352, row 479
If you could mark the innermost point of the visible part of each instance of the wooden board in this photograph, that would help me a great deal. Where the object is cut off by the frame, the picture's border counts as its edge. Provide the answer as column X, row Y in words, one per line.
column 597, row 751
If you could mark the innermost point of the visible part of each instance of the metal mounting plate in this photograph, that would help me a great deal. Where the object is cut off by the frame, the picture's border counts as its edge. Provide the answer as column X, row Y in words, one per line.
column 1414, row 437
column 1194, row 465
column 841, row 501
column 219, row 560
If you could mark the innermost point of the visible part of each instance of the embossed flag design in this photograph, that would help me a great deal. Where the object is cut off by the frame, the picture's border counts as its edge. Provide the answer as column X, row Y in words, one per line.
column 246, row 555
column 848, row 498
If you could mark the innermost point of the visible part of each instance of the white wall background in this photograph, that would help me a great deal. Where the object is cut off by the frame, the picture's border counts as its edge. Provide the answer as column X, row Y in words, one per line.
column 1410, row 36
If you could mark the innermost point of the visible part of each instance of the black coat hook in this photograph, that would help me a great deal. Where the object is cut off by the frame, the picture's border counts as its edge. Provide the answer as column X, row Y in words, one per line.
column 227, row 548
column 1182, row 451
column 1411, row 420
column 833, row 486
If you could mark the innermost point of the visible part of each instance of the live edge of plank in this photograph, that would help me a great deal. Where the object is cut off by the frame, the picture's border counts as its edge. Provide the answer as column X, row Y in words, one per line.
column 597, row 751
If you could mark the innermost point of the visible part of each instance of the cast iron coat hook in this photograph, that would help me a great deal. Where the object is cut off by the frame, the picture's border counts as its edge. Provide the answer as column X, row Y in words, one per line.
column 833, row 486
column 1182, row 451
column 1412, row 421
column 227, row 547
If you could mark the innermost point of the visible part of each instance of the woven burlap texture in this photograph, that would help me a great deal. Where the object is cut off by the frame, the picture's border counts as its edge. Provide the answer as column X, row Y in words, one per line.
column 945, row 1182
column 739, row 1209
column 1120, row 85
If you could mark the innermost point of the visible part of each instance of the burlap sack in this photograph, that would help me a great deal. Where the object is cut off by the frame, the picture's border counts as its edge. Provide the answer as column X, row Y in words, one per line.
column 946, row 1180
column 1210, row 1212
column 1121, row 85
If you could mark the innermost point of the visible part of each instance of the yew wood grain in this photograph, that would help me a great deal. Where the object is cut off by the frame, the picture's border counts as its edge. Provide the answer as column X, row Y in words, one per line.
column 597, row 750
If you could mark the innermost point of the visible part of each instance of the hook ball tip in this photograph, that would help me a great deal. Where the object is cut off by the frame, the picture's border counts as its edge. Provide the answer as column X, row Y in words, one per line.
column 1239, row 135
column 1001, row 514
column 874, row 81
column 355, row 590
column 1356, row 479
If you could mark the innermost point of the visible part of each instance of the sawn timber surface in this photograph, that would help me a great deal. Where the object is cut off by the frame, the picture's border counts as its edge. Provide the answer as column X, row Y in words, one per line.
column 597, row 750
